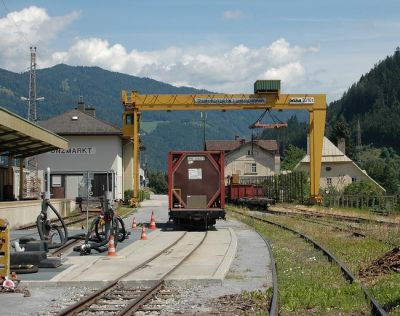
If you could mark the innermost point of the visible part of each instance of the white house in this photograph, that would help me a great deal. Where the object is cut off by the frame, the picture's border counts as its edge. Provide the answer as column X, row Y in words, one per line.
column 98, row 158
column 248, row 159
column 337, row 170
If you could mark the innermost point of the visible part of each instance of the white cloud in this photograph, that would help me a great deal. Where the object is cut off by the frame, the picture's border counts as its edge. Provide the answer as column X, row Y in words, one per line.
column 230, row 69
column 30, row 26
column 232, row 15
column 212, row 66
column 287, row 73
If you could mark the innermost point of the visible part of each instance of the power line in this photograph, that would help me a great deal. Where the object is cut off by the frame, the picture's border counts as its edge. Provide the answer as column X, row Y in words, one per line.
column 15, row 23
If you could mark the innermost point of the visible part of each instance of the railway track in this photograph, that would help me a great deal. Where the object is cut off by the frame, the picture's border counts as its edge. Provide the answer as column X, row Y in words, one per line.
column 351, row 230
column 273, row 305
column 67, row 223
column 376, row 309
column 117, row 298
column 69, row 220
column 353, row 219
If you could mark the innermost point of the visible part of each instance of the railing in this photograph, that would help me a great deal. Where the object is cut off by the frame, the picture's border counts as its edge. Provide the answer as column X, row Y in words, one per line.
column 380, row 204
column 287, row 188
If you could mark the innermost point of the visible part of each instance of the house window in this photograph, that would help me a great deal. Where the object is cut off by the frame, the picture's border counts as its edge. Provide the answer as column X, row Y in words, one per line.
column 250, row 168
column 329, row 181
column 55, row 181
column 353, row 179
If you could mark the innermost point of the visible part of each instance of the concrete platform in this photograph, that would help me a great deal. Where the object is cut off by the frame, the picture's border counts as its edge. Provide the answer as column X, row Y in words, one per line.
column 215, row 270
column 210, row 262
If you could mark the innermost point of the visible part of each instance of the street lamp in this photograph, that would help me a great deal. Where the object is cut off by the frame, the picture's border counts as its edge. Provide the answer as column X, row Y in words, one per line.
column 32, row 107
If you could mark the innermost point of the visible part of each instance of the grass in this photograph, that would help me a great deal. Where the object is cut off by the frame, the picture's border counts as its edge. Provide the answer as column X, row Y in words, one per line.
column 346, row 211
column 308, row 282
column 124, row 210
column 357, row 253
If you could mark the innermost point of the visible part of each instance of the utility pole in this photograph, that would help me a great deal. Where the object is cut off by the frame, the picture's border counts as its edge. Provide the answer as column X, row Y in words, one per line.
column 32, row 98
column 204, row 117
column 32, row 162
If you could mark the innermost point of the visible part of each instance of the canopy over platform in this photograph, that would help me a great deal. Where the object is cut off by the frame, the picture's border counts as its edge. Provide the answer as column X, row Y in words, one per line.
column 20, row 138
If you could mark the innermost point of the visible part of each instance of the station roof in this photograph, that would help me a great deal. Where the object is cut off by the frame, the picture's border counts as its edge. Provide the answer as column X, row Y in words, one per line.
column 77, row 122
column 22, row 138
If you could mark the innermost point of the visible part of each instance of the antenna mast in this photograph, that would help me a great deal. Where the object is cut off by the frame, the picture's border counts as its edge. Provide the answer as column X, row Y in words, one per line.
column 32, row 115
column 33, row 182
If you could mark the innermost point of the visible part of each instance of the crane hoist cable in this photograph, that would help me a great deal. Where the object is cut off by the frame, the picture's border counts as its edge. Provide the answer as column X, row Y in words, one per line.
column 277, row 123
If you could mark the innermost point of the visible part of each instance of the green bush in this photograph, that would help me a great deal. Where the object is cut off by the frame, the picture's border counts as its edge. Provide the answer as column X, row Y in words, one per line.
column 362, row 188
column 142, row 195
column 128, row 194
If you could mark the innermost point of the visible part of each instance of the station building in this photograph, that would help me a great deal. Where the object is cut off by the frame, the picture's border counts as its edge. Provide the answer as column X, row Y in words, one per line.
column 97, row 159
column 20, row 140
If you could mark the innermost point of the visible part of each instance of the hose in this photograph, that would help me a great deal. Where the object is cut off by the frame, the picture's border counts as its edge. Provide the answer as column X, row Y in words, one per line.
column 44, row 227
column 85, row 249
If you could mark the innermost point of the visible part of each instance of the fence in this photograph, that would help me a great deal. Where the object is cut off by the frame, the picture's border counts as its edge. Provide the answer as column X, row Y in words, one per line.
column 294, row 188
column 291, row 187
column 382, row 204
column 288, row 188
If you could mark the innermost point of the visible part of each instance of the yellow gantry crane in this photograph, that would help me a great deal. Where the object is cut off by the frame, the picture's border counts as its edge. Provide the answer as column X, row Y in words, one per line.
column 266, row 96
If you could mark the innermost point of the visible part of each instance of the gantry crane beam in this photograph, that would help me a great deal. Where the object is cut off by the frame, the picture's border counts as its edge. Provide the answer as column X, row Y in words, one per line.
column 134, row 103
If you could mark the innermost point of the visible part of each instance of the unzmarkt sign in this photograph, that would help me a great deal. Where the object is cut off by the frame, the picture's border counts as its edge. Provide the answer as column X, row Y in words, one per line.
column 75, row 151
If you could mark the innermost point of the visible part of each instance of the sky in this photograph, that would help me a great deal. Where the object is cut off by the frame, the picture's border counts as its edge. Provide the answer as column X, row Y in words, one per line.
column 313, row 46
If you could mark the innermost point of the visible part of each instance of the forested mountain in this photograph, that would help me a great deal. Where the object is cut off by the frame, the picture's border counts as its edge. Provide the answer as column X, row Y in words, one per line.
column 368, row 116
column 162, row 131
column 374, row 102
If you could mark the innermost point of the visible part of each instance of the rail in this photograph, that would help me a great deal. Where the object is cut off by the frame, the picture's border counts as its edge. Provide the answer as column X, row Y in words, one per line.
column 376, row 309
column 144, row 297
column 273, row 306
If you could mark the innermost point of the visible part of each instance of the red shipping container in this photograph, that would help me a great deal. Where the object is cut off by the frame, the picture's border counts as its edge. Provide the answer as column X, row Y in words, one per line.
column 196, row 191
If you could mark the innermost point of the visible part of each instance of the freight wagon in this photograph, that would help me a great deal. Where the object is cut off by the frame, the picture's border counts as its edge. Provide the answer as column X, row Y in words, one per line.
column 250, row 195
column 196, row 190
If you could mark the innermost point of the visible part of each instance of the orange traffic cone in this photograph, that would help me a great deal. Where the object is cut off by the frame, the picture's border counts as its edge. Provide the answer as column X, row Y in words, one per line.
column 143, row 236
column 134, row 223
column 152, row 221
column 111, row 247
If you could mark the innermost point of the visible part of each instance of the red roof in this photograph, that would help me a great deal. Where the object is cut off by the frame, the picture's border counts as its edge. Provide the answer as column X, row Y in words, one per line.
column 229, row 145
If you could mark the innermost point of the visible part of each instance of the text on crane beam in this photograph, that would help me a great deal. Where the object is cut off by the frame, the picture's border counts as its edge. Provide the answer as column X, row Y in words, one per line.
column 305, row 100
column 230, row 101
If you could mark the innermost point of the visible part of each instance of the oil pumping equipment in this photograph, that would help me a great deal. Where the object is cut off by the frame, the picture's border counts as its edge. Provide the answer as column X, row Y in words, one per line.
column 266, row 95
column 104, row 225
column 55, row 235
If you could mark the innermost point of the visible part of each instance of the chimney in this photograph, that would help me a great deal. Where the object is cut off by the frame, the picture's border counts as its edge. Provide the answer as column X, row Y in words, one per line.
column 342, row 145
column 81, row 104
column 237, row 137
column 82, row 107
column 90, row 111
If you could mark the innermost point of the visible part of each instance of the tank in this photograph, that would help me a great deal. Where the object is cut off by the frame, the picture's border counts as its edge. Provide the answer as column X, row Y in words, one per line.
column 196, row 190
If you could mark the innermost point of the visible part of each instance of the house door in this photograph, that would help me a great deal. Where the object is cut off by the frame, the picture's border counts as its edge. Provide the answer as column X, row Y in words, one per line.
column 72, row 186
column 100, row 184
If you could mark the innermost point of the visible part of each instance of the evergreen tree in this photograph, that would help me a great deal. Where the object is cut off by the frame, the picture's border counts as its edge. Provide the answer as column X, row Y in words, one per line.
column 292, row 156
